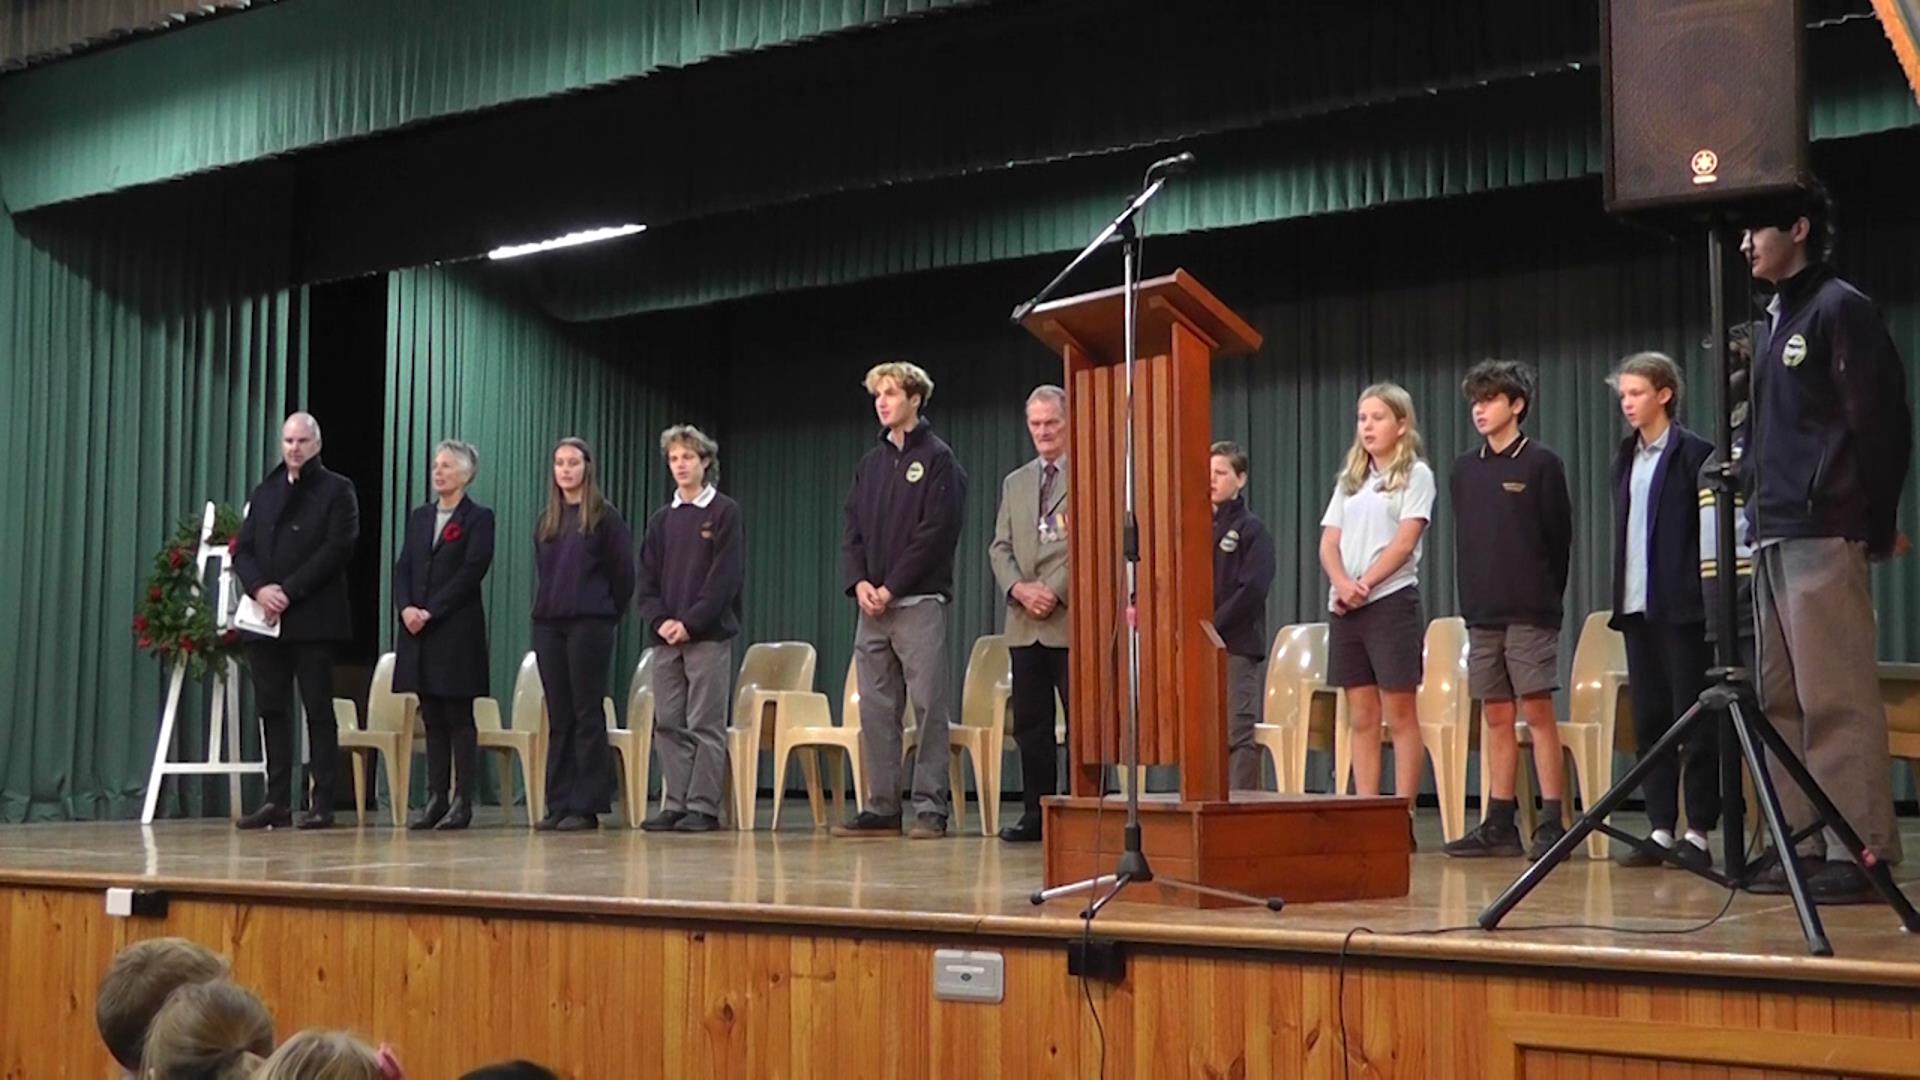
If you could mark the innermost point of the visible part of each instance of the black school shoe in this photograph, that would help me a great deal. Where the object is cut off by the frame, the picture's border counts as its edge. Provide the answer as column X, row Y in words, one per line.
column 1487, row 840
column 870, row 824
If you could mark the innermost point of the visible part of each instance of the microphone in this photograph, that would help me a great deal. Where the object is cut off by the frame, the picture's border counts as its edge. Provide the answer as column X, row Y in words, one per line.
column 1171, row 166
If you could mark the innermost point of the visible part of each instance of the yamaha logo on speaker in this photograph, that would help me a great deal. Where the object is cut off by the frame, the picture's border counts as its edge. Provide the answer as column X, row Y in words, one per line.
column 1706, row 167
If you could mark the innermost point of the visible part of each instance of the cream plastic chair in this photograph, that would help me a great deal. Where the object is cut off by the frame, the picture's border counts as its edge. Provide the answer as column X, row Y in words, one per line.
column 981, row 732
column 1444, row 710
column 769, row 669
column 526, row 740
column 389, row 731
column 804, row 723
column 1296, row 672
column 1445, row 707
column 1900, row 691
column 1595, row 704
column 634, row 743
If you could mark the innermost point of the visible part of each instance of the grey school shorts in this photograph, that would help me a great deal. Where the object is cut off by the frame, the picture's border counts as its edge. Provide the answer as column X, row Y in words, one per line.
column 1506, row 662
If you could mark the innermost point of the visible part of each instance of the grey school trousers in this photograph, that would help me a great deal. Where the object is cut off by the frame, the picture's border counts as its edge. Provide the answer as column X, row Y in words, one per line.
column 691, row 683
column 1820, row 686
column 899, row 657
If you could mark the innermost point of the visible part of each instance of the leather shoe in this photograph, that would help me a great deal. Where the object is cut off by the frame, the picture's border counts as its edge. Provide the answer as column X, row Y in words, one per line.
column 268, row 816
column 550, row 822
column 429, row 815
column 1024, row 831
column 315, row 819
column 664, row 821
column 459, row 815
column 1840, row 882
column 577, row 823
column 1769, row 877
column 695, row 821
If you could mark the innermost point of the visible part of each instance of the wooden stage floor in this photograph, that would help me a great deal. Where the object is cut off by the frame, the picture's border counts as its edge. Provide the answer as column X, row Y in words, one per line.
column 968, row 885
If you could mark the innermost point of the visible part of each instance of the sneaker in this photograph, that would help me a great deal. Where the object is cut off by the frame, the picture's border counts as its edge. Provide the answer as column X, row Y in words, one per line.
column 927, row 827
column 1544, row 837
column 1487, row 840
column 870, row 824
column 664, row 821
column 695, row 821
column 1840, row 882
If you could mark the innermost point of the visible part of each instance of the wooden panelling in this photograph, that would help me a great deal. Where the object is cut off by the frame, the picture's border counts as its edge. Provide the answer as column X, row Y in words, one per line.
column 606, row 998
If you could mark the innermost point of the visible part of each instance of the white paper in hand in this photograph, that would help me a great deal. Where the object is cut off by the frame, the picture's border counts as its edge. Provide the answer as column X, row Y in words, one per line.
column 253, row 619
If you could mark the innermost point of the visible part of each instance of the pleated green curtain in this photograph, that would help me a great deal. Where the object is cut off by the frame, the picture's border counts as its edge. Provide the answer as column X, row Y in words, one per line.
column 296, row 75
column 1416, row 298
column 136, row 387
column 466, row 363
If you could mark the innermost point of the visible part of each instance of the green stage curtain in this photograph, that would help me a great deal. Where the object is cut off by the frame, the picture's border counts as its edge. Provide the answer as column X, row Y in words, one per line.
column 465, row 363
column 137, row 386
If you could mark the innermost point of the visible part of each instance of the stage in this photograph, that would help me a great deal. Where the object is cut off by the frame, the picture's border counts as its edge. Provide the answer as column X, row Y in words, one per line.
column 620, row 953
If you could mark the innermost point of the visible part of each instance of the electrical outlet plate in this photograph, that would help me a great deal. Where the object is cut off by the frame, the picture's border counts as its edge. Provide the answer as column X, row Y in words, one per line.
column 961, row 975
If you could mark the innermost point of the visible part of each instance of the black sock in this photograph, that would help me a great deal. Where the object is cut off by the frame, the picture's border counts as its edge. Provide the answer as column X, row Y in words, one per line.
column 1500, row 812
column 1550, row 813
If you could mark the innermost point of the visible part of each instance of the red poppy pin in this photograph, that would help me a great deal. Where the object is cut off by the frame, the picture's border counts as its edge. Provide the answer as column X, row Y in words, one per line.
column 450, row 533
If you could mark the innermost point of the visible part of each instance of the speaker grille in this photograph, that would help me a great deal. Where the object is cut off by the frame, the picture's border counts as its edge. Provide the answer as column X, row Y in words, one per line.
column 1704, row 100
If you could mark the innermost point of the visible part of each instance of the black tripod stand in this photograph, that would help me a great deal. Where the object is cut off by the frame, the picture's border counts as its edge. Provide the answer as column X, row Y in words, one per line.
column 1133, row 868
column 1730, row 701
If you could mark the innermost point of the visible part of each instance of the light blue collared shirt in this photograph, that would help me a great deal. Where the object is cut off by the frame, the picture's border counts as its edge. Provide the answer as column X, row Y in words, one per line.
column 1633, row 595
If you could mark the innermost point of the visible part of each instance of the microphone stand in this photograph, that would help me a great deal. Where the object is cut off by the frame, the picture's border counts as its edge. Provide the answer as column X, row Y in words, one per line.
column 1730, row 702
column 1132, row 867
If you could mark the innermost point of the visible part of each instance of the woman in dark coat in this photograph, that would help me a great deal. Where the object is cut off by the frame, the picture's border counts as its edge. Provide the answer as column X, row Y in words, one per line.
column 441, row 653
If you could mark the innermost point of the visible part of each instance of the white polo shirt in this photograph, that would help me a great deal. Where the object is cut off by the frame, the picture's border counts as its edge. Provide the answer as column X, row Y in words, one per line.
column 1369, row 519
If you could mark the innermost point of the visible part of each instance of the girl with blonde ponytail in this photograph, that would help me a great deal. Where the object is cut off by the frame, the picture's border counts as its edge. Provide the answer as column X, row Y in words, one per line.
column 1370, row 545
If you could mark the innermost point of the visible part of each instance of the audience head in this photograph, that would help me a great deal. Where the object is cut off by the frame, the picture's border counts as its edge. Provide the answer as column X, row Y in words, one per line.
column 208, row 1031
column 314, row 1054
column 137, row 984
column 512, row 1070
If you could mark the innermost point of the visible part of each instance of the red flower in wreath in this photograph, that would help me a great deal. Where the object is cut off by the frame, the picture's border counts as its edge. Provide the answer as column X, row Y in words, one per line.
column 233, row 543
column 140, row 623
column 451, row 533
column 186, row 644
column 155, row 593
column 146, row 642
column 175, row 557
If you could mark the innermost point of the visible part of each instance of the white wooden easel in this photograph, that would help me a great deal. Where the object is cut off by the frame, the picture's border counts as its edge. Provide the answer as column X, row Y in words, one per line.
column 223, row 714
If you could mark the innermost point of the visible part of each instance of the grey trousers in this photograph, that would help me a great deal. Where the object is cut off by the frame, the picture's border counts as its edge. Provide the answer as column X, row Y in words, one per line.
column 690, row 687
column 902, row 656
column 1246, row 678
column 1820, row 686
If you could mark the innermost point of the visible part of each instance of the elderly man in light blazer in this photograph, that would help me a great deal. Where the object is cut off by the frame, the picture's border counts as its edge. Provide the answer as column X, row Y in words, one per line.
column 1029, row 557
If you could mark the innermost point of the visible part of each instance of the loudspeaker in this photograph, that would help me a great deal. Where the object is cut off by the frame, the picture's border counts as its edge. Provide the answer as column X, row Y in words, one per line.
column 1705, row 101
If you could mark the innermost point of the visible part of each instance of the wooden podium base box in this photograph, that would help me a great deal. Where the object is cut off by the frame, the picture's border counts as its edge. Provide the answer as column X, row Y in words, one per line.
column 1300, row 848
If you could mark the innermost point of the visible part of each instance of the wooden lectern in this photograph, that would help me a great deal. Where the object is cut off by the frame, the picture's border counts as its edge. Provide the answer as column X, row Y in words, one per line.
column 1249, row 841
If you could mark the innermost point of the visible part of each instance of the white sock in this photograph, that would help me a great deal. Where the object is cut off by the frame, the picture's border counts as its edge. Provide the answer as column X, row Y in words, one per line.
column 1697, row 839
column 1663, row 837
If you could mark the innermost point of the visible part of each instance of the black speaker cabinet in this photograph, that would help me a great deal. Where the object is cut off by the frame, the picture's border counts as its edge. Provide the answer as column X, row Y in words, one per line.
column 1705, row 101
